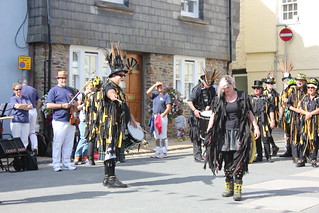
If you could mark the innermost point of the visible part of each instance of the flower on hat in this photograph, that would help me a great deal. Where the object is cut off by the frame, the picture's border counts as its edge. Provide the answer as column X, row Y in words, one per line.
column 312, row 82
column 301, row 76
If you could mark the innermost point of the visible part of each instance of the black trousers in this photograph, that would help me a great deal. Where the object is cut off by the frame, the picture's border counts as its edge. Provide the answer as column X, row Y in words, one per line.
column 266, row 142
column 228, row 158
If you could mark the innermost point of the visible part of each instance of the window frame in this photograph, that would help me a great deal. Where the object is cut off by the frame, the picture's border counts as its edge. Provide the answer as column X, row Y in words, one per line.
column 102, row 68
column 194, row 14
column 115, row 1
column 199, row 64
column 295, row 18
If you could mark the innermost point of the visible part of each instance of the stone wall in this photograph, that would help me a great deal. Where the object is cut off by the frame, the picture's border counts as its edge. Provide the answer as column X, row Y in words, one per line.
column 40, row 55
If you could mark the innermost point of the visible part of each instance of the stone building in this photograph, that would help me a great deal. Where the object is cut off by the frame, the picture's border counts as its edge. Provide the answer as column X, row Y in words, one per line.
column 163, row 40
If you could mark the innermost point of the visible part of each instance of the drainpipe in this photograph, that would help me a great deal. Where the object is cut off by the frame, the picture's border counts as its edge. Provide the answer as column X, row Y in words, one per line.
column 49, row 42
column 229, row 37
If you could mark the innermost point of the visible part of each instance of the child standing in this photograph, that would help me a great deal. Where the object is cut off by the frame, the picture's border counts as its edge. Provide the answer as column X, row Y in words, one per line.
column 180, row 124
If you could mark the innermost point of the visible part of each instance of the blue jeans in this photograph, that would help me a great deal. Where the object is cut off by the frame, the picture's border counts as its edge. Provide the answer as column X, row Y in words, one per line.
column 82, row 147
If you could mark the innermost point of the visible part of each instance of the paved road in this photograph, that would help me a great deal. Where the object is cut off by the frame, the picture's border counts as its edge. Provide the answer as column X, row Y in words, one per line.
column 175, row 184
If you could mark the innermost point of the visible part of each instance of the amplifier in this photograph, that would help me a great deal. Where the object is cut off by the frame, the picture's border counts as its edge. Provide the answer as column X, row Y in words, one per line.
column 11, row 147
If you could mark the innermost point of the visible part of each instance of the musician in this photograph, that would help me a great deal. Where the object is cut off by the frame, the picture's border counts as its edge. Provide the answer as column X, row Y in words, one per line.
column 263, row 111
column 229, row 140
column 161, row 107
column 114, row 119
column 309, row 109
column 59, row 99
column 273, row 97
column 199, row 100
column 295, row 125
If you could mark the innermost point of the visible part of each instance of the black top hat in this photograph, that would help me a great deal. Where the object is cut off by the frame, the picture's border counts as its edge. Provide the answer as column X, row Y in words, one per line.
column 116, row 59
column 117, row 66
column 257, row 84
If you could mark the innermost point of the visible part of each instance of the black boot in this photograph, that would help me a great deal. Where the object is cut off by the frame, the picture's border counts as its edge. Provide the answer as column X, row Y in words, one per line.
column 106, row 177
column 288, row 152
column 275, row 150
column 91, row 153
column 112, row 181
column 91, row 161
column 267, row 152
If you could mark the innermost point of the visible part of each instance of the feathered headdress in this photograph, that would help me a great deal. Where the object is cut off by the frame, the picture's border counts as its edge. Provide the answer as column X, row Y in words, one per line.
column 270, row 77
column 210, row 76
column 116, row 59
column 285, row 67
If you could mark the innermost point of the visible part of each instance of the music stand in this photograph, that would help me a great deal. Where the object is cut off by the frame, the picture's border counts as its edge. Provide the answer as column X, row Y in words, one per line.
column 5, row 109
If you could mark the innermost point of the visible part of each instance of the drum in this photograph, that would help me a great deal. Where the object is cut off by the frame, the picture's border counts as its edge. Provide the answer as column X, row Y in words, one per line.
column 135, row 137
column 203, row 123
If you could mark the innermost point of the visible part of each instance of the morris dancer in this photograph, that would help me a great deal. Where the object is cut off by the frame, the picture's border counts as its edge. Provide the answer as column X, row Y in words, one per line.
column 229, row 138
column 200, row 100
column 309, row 108
column 293, row 104
column 114, row 119
column 264, row 113
column 273, row 97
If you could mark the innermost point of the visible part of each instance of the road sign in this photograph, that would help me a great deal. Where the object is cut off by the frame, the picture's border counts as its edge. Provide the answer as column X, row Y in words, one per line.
column 285, row 34
column 24, row 63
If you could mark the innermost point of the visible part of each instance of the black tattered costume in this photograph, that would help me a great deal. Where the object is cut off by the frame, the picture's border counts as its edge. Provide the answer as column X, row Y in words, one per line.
column 201, row 97
column 261, row 107
column 296, row 124
column 309, row 129
column 235, row 156
column 106, row 124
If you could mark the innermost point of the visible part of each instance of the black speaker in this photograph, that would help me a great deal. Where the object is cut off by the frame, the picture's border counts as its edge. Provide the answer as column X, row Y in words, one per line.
column 11, row 147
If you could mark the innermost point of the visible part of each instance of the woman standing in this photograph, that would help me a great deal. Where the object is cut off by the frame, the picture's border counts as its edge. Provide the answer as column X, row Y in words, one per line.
column 20, row 123
column 309, row 109
column 229, row 139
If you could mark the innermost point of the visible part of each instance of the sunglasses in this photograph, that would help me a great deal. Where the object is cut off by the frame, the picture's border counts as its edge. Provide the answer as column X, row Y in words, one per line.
column 311, row 87
column 17, row 89
column 121, row 75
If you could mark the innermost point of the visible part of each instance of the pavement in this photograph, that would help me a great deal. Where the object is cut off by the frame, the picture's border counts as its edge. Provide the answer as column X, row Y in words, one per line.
column 174, row 184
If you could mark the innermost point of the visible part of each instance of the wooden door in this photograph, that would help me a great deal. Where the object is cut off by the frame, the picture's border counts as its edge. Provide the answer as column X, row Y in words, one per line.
column 134, row 85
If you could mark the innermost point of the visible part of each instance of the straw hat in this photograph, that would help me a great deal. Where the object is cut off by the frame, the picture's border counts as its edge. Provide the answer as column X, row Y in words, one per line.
column 62, row 74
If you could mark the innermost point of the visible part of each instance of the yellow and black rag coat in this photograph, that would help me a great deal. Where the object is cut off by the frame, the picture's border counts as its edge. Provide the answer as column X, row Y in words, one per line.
column 310, row 127
column 274, row 97
column 294, row 100
column 107, row 119
column 261, row 107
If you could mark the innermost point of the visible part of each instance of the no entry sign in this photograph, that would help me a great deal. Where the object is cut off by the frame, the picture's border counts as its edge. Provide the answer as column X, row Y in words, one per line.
column 285, row 34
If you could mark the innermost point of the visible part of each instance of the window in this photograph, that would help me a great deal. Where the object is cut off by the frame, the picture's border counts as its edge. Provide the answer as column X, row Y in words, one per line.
column 116, row 1
column 186, row 74
column 86, row 62
column 190, row 8
column 289, row 11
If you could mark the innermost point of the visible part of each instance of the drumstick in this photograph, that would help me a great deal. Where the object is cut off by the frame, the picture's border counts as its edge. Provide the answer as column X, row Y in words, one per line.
column 7, row 117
